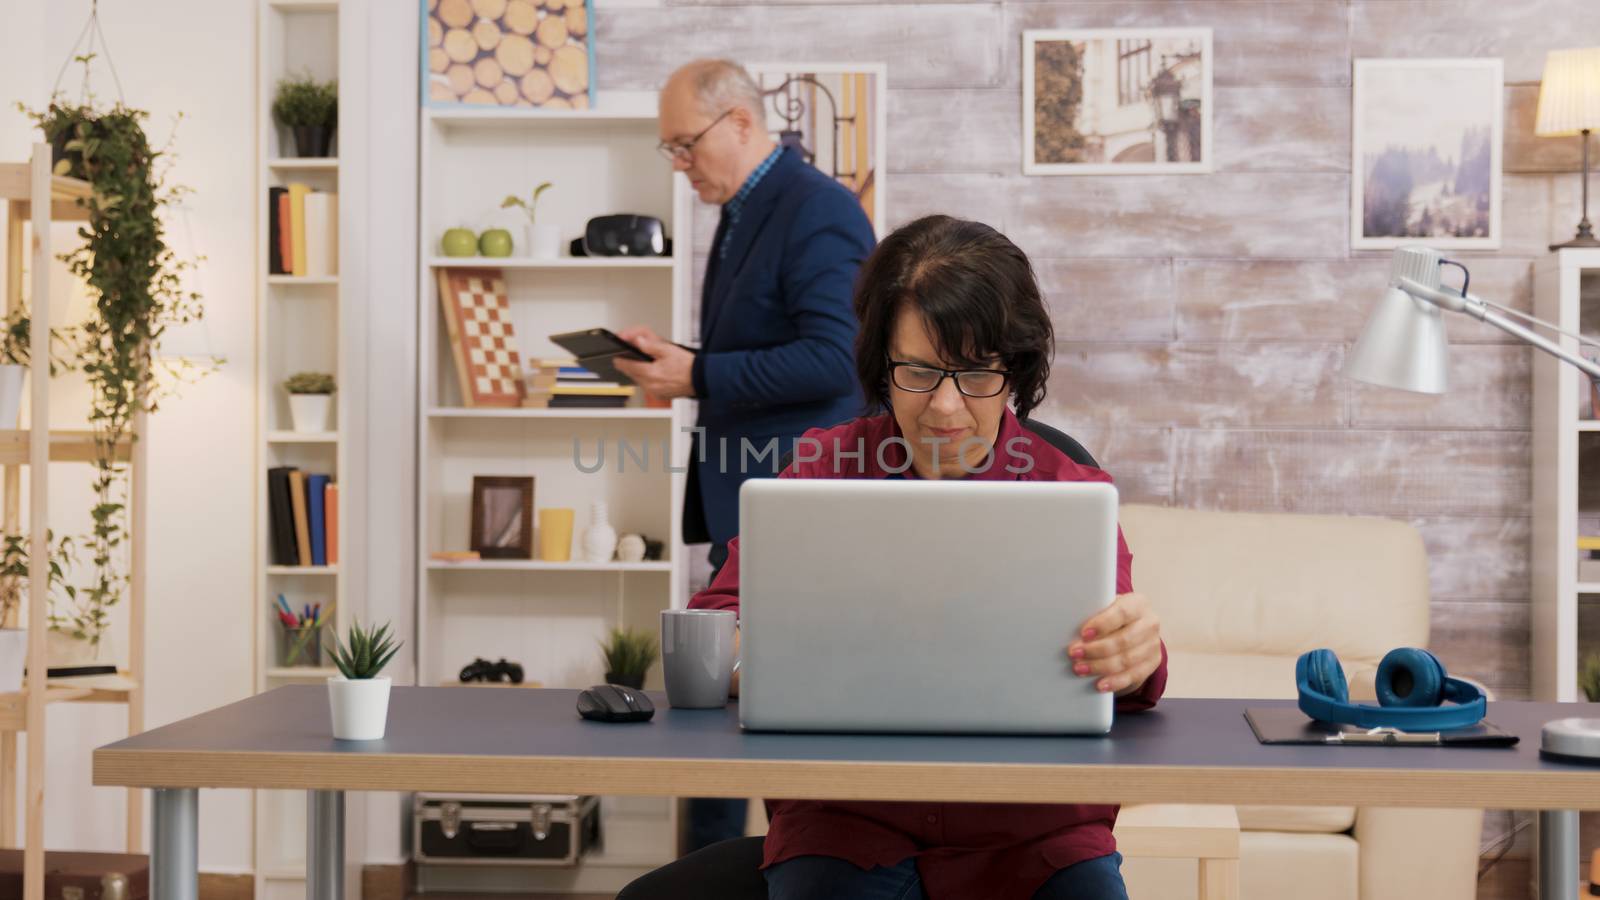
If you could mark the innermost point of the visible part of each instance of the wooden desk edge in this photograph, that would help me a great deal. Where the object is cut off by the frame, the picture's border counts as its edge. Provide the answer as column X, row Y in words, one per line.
column 848, row 780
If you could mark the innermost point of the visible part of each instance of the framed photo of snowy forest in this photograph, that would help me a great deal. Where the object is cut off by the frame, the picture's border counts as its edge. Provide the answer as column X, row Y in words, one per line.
column 1425, row 162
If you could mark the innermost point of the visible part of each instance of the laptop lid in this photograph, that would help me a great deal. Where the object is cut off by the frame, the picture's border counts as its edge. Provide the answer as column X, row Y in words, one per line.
column 922, row 606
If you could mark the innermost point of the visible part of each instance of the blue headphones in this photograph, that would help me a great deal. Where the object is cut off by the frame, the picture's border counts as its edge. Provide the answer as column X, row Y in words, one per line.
column 1412, row 691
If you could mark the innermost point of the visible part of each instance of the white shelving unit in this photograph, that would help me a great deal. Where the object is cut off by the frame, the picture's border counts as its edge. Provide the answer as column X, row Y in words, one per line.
column 303, row 324
column 549, row 615
column 1566, row 476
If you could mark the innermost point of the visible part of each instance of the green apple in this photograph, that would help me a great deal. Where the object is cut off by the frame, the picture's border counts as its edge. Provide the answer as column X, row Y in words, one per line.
column 459, row 242
column 495, row 242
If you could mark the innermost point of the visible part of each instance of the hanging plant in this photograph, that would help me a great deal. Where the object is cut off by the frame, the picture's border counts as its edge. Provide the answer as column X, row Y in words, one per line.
column 136, row 284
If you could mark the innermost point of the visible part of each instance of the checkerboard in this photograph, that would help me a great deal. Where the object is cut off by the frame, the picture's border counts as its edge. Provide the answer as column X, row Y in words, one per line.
column 477, row 317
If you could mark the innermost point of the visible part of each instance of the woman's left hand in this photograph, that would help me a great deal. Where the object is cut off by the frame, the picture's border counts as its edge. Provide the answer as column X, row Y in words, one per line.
column 1120, row 645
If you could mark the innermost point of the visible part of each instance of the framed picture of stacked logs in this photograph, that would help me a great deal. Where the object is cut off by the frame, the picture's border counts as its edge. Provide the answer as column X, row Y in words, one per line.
column 1116, row 101
column 833, row 115
column 533, row 53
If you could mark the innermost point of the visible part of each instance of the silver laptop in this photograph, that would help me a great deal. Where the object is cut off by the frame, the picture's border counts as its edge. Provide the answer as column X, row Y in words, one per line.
column 921, row 606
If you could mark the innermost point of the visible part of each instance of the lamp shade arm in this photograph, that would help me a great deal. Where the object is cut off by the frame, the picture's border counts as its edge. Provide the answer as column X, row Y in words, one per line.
column 1477, row 309
column 1548, row 346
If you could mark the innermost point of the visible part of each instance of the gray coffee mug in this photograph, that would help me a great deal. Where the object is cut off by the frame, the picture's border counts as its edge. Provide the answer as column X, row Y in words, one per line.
column 697, row 656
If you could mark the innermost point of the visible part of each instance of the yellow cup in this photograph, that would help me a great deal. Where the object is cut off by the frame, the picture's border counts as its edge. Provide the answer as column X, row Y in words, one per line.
column 555, row 534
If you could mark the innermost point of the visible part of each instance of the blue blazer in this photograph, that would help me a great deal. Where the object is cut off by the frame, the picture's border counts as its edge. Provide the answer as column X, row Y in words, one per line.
column 777, row 335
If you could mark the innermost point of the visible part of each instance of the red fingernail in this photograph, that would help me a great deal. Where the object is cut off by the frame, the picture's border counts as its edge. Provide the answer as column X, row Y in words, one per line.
column 1081, row 668
column 1075, row 652
column 1103, row 686
column 1089, row 633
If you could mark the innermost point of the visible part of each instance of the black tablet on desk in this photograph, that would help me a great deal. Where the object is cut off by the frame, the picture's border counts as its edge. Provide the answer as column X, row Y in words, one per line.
column 596, row 348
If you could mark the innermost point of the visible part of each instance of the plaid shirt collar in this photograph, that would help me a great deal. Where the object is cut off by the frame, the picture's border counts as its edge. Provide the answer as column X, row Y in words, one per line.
column 734, row 207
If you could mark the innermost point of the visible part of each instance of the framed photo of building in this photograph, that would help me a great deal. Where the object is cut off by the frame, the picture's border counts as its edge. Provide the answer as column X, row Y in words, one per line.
column 834, row 115
column 502, row 516
column 1116, row 101
column 1425, row 160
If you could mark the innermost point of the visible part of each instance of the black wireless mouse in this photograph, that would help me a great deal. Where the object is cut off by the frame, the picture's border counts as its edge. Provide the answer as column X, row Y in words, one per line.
column 615, row 703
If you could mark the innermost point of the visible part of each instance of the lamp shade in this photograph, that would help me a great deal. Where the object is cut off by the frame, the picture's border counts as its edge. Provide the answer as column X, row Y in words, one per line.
column 1403, row 346
column 1569, row 95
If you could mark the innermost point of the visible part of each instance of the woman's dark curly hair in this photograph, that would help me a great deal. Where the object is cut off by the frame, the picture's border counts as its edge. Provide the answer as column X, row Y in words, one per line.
column 976, row 291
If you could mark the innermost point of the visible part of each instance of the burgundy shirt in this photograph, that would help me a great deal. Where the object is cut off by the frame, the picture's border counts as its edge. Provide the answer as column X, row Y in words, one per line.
column 1001, row 851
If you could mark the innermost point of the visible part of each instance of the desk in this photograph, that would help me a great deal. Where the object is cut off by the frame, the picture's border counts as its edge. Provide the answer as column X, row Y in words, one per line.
column 446, row 739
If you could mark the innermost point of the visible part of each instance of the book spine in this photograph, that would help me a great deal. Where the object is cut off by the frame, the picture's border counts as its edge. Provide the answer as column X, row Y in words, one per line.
column 297, row 225
column 330, row 505
column 274, row 226
column 302, row 529
column 315, row 485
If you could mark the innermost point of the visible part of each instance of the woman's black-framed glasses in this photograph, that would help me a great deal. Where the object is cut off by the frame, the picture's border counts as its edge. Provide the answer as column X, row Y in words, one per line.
column 684, row 150
column 920, row 379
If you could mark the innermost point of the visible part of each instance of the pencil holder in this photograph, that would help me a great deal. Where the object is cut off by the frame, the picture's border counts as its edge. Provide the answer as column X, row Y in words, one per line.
column 301, row 646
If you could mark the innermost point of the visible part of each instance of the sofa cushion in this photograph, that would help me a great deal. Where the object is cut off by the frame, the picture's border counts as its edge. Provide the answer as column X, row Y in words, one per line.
column 1267, row 584
column 1250, row 676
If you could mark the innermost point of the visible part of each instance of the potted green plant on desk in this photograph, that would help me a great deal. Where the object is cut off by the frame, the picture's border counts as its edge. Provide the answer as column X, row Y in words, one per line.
column 629, row 655
column 358, row 696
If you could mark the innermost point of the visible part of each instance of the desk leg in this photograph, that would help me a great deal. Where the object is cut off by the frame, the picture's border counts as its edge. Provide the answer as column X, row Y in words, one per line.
column 324, row 845
column 1558, row 854
column 175, row 844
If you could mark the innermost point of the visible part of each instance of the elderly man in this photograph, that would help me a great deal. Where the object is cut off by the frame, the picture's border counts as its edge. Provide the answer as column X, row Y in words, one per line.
column 777, row 329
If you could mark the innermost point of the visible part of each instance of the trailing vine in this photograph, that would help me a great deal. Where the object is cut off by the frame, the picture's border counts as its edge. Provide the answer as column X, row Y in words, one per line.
column 135, row 281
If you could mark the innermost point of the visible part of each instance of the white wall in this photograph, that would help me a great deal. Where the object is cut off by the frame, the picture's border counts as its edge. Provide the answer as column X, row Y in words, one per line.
column 197, row 57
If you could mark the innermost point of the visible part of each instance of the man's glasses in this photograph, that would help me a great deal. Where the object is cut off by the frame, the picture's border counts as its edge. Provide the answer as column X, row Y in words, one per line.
column 684, row 150
column 920, row 379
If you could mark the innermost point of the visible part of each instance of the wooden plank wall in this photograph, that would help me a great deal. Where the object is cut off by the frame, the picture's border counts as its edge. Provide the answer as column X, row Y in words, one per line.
column 1203, row 320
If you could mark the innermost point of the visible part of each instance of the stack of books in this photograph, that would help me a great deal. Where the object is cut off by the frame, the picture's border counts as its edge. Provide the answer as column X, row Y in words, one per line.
column 563, row 384
column 303, row 231
column 304, row 513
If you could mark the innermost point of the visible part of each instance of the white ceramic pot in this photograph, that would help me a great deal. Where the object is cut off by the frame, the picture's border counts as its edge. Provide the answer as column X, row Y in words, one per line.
column 544, row 241
column 310, row 412
column 11, row 381
column 600, row 540
column 13, row 658
column 62, row 650
column 360, row 707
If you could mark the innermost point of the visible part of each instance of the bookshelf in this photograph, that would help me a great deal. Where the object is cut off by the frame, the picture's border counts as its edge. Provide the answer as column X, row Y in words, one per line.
column 34, row 196
column 303, row 323
column 1566, row 479
column 549, row 615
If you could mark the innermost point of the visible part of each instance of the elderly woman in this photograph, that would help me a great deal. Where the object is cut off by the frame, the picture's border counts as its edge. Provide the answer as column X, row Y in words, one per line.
column 955, row 344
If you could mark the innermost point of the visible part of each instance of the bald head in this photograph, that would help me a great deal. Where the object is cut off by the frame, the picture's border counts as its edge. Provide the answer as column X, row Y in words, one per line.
column 718, row 85
column 711, row 113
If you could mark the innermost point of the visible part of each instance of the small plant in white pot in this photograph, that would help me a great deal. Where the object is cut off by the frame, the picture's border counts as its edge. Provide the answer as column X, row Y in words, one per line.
column 544, row 241
column 13, row 594
column 358, row 697
column 310, row 401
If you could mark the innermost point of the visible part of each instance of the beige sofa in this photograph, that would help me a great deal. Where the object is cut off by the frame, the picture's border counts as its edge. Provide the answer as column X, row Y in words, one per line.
column 1241, row 596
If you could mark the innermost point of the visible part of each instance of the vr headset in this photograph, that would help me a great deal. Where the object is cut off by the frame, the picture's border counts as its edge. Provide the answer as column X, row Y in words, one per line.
column 623, row 235
column 1414, row 693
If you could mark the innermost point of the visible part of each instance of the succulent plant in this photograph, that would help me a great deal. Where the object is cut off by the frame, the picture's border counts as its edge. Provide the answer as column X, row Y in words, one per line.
column 1589, row 677
column 630, row 652
column 309, row 383
column 303, row 100
column 365, row 651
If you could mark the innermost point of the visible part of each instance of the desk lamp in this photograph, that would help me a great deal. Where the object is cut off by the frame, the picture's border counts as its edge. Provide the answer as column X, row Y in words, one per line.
column 1403, row 346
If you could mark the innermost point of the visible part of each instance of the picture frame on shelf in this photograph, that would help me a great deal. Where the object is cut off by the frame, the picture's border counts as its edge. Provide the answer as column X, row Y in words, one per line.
column 517, row 53
column 1426, row 139
column 1117, row 101
column 502, row 516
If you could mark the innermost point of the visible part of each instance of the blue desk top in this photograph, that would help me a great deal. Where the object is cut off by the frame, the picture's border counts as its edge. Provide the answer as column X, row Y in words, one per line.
column 487, row 737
